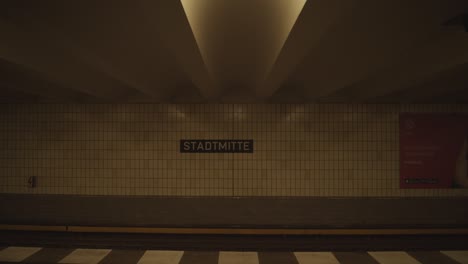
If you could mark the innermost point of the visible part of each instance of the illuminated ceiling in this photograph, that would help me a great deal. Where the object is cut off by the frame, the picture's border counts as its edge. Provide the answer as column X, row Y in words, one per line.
column 233, row 51
column 240, row 40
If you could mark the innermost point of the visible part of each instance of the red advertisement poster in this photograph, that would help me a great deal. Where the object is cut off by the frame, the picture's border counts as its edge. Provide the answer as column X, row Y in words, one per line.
column 433, row 151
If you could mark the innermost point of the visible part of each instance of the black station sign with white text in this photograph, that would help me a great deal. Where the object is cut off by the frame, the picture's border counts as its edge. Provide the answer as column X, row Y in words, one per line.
column 216, row 146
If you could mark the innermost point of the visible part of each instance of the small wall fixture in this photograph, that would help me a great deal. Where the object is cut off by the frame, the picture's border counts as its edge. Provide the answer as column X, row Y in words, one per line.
column 32, row 182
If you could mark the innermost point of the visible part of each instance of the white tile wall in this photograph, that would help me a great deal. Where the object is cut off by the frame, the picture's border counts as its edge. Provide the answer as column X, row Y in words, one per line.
column 300, row 150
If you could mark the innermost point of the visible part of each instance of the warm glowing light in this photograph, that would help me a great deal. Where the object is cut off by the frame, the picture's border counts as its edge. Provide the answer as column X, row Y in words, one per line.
column 177, row 113
column 254, row 30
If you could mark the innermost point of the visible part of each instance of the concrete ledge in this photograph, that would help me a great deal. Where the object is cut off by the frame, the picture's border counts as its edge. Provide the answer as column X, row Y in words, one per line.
column 236, row 231
column 33, row 228
column 224, row 212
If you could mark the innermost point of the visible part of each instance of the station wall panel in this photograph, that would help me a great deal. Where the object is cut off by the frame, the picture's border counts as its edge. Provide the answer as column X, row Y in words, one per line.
column 301, row 150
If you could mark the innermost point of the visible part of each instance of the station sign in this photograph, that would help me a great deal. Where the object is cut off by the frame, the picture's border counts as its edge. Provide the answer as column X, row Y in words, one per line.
column 216, row 146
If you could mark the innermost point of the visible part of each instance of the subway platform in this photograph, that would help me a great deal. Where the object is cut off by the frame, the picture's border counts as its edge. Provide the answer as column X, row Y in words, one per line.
column 84, row 255
column 94, row 247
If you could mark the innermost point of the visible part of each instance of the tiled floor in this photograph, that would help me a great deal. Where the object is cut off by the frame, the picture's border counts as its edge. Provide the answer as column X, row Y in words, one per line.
column 90, row 256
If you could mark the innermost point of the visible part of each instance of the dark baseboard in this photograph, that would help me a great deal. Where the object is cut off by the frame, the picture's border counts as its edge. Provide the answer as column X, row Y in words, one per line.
column 233, row 242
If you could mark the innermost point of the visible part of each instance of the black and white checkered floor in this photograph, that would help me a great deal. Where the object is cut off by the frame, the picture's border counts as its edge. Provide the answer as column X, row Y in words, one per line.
column 66, row 255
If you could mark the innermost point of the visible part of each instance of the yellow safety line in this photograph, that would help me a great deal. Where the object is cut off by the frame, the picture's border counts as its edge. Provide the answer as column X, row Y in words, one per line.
column 244, row 231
